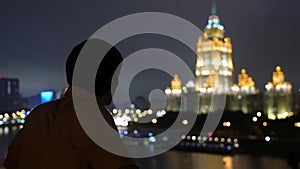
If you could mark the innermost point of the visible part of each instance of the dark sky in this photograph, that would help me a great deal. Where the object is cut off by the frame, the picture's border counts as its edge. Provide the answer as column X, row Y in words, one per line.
column 36, row 36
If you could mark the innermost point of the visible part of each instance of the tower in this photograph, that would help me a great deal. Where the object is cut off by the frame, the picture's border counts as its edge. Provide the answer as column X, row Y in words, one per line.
column 278, row 98
column 9, row 94
column 214, row 66
column 245, row 85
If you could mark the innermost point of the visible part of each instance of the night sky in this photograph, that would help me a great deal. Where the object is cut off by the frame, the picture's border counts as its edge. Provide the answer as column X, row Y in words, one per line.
column 37, row 36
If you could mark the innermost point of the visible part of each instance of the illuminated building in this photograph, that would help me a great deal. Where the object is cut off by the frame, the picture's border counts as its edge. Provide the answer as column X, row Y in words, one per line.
column 9, row 94
column 214, row 66
column 244, row 97
column 245, row 85
column 174, row 94
column 214, row 76
column 176, row 84
column 278, row 96
column 278, row 83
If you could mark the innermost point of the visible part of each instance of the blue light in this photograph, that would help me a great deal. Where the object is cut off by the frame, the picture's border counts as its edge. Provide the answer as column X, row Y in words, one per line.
column 4, row 120
column 132, row 106
column 46, row 96
column 150, row 134
column 229, row 148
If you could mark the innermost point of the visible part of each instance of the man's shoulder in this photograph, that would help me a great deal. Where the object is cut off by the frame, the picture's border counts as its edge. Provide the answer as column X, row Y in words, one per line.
column 44, row 108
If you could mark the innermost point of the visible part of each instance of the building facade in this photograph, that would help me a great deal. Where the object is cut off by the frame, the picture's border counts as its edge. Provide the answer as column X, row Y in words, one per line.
column 214, row 72
column 214, row 65
column 9, row 94
column 278, row 96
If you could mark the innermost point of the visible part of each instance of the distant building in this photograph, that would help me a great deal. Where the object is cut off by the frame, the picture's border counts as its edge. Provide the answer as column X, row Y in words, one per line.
column 214, row 76
column 9, row 94
column 245, row 85
column 214, row 66
column 278, row 96
column 244, row 96
column 174, row 94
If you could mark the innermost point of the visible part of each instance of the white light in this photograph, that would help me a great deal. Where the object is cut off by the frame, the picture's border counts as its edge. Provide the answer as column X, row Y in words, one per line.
column 268, row 87
column 254, row 119
column 194, row 138
column 271, row 117
column 202, row 90
column 188, row 137
column 159, row 114
column 152, row 139
column 185, row 122
column 228, row 124
column 120, row 121
column 168, row 91
column 258, row 114
column 176, row 91
column 190, row 84
column 229, row 140
column 235, row 88
column 278, row 87
column 209, row 90
column 22, row 116
column 267, row 138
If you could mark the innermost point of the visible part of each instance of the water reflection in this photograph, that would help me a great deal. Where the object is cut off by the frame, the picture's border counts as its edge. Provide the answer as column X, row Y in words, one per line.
column 228, row 162
column 6, row 135
column 189, row 160
column 178, row 159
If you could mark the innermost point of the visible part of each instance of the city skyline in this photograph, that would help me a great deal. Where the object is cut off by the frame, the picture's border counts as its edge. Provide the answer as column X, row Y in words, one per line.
column 38, row 37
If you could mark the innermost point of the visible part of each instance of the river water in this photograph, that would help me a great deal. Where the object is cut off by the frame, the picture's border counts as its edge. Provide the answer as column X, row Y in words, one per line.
column 180, row 159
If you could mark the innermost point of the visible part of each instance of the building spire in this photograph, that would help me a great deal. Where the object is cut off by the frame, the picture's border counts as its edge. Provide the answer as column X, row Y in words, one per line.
column 213, row 8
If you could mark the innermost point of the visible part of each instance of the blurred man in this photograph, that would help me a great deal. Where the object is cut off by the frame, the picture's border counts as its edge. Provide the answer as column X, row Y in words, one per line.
column 52, row 137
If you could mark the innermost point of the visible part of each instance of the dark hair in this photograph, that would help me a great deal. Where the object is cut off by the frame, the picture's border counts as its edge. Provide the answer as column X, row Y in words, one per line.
column 105, row 71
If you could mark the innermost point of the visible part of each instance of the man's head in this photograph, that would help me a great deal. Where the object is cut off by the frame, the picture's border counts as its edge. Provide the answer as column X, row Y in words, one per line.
column 106, row 69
